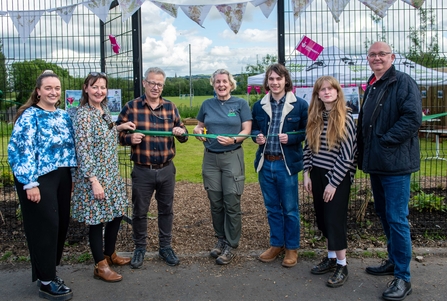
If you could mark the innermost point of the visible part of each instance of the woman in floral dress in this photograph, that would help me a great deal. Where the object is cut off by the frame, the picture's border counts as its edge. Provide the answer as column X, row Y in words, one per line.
column 99, row 194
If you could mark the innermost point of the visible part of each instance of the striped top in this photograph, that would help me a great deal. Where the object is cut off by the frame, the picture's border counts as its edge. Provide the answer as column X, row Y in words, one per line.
column 340, row 160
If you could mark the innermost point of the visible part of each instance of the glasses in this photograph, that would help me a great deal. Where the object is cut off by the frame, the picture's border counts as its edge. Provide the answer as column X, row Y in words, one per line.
column 373, row 55
column 153, row 84
column 109, row 121
column 97, row 74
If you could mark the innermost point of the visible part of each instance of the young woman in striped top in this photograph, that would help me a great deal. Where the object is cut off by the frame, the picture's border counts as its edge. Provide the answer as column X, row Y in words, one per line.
column 329, row 168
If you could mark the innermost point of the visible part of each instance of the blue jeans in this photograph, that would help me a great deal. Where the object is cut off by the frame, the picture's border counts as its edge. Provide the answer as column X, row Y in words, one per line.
column 280, row 192
column 391, row 197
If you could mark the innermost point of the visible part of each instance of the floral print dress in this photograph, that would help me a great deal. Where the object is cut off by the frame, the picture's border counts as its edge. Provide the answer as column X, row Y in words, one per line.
column 96, row 148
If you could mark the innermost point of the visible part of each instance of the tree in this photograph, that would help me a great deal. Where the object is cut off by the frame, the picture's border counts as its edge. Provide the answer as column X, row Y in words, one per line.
column 259, row 67
column 424, row 48
column 23, row 76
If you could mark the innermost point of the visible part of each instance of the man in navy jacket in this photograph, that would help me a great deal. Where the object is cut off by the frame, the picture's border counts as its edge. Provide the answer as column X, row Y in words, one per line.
column 388, row 147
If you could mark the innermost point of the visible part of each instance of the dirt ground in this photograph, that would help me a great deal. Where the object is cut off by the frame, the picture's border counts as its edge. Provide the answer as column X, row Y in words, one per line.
column 193, row 231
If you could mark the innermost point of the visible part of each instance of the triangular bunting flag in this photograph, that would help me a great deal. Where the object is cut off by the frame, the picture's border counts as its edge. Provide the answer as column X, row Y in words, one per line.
column 25, row 21
column 299, row 6
column 415, row 3
column 129, row 7
column 378, row 7
column 65, row 12
column 169, row 8
column 3, row 13
column 99, row 7
column 233, row 14
column 197, row 13
column 336, row 7
column 266, row 6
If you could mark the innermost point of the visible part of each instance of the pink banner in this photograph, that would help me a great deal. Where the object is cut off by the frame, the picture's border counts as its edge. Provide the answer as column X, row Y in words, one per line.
column 309, row 48
column 258, row 89
column 249, row 89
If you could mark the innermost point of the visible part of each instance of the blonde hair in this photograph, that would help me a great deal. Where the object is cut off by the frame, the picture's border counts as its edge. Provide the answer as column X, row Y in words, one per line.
column 230, row 78
column 336, row 128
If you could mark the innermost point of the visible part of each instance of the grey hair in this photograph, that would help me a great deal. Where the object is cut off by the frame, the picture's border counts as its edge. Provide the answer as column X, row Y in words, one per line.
column 155, row 70
column 230, row 77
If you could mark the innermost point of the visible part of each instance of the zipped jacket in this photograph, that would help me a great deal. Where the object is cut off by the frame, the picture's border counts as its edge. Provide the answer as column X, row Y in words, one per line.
column 389, row 144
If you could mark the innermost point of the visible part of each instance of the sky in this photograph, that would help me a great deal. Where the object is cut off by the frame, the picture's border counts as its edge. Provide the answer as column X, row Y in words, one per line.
column 166, row 40
column 213, row 47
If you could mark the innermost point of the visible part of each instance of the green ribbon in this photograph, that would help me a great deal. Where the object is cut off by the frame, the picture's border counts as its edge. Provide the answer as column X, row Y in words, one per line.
column 428, row 117
column 169, row 134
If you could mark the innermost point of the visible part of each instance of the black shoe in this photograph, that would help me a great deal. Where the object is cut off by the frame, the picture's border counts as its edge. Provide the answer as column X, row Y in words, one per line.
column 137, row 258
column 326, row 265
column 168, row 255
column 227, row 255
column 386, row 268
column 217, row 250
column 340, row 276
column 57, row 279
column 55, row 291
column 397, row 290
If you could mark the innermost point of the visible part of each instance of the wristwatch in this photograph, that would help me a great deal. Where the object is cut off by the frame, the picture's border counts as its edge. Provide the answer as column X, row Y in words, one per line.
column 235, row 140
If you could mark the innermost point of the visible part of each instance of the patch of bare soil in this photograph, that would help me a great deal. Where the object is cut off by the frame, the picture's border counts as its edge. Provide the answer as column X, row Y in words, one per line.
column 193, row 232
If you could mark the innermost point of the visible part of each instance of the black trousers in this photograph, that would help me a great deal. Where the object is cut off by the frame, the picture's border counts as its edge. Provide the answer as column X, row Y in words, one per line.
column 331, row 216
column 46, row 223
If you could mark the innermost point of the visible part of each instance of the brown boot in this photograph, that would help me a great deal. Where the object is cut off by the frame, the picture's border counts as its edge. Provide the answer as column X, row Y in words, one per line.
column 116, row 260
column 104, row 272
column 290, row 259
column 270, row 254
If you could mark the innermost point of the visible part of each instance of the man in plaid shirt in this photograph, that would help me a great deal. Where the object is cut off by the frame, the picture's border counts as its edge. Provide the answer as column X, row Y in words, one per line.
column 153, row 167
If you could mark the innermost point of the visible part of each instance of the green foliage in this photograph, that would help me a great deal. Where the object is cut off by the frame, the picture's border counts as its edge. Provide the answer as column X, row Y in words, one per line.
column 23, row 76
column 6, row 178
column 3, row 73
column 308, row 254
column 6, row 256
column 415, row 187
column 382, row 254
column 23, row 258
column 428, row 202
column 424, row 48
column 84, row 257
column 187, row 111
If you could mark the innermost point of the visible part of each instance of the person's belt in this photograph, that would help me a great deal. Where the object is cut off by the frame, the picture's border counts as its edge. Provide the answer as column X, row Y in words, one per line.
column 155, row 166
column 273, row 158
column 224, row 152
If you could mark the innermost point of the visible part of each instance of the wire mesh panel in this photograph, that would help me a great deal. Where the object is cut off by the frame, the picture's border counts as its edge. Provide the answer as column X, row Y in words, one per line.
column 417, row 37
column 72, row 50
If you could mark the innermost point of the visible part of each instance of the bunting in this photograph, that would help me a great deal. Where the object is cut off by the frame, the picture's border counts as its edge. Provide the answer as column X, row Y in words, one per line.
column 336, row 7
column 299, row 6
column 25, row 21
column 378, row 7
column 65, row 12
column 129, row 7
column 169, row 8
column 197, row 13
column 233, row 14
column 99, row 7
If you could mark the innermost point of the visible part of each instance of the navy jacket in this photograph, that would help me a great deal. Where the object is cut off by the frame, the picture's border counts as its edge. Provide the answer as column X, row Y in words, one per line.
column 389, row 145
column 293, row 119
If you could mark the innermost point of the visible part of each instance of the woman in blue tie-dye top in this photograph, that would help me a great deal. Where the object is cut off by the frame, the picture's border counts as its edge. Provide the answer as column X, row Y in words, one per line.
column 41, row 153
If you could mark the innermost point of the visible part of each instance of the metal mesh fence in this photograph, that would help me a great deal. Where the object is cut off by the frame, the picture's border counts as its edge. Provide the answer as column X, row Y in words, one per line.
column 83, row 46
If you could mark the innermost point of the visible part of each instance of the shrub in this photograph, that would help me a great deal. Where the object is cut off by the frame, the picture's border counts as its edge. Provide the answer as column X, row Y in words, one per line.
column 428, row 201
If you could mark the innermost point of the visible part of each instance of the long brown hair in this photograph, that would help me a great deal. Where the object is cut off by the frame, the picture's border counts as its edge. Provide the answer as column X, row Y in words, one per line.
column 89, row 81
column 336, row 129
column 35, row 98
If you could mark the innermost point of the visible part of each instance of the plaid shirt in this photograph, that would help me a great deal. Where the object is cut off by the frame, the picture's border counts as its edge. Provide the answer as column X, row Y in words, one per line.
column 273, row 145
column 153, row 149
